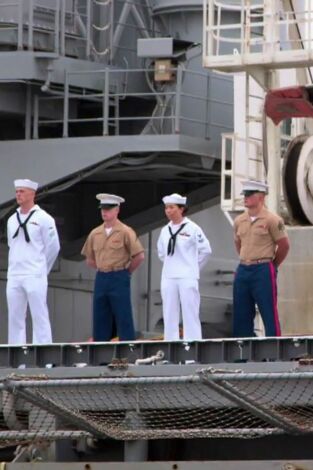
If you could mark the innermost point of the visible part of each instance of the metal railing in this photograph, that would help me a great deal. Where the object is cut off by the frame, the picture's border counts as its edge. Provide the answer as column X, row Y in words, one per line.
column 57, row 23
column 174, row 109
column 265, row 28
column 92, row 29
column 241, row 160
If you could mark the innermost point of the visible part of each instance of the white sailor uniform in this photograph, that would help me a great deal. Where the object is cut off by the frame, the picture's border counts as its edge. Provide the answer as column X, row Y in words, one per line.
column 184, row 249
column 33, row 248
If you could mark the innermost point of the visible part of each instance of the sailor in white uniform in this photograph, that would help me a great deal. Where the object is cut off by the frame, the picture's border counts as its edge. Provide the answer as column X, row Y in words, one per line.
column 33, row 248
column 184, row 249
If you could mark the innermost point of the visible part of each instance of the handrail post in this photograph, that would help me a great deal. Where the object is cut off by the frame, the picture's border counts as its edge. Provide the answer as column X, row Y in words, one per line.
column 117, row 115
column 210, row 34
column 66, row 105
column 309, row 26
column 204, row 31
column 106, row 102
column 233, row 168
column 28, row 112
column 36, row 117
column 20, row 26
column 88, row 29
column 178, row 98
column 223, row 172
column 111, row 32
column 62, row 28
column 149, row 293
column 57, row 27
column 30, row 25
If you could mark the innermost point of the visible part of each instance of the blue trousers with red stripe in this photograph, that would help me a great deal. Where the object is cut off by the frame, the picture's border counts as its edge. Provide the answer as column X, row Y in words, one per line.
column 112, row 311
column 255, row 285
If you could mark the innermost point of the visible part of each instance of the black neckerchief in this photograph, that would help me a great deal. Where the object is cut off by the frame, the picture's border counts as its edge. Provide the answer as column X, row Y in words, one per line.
column 172, row 240
column 23, row 225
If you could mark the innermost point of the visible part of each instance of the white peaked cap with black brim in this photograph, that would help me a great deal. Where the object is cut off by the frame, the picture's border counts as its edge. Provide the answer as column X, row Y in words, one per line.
column 252, row 185
column 109, row 199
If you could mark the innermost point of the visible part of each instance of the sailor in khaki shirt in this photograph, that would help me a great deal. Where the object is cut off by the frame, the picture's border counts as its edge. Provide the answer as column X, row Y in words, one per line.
column 115, row 251
column 262, row 244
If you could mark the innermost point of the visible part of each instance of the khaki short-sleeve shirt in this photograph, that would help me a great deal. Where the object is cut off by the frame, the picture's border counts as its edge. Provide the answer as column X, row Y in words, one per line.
column 258, row 238
column 113, row 251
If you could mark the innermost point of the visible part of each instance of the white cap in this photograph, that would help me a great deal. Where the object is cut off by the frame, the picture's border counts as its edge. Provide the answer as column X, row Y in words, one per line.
column 257, row 186
column 109, row 199
column 175, row 199
column 25, row 183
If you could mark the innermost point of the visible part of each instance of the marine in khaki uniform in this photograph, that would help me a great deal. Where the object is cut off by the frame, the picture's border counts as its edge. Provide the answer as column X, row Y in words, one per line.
column 262, row 244
column 115, row 251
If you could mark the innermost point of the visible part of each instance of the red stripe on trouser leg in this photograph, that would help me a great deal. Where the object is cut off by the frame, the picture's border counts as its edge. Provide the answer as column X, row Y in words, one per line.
column 274, row 289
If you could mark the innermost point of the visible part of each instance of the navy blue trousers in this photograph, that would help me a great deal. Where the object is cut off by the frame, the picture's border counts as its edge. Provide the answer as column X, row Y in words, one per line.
column 112, row 311
column 255, row 285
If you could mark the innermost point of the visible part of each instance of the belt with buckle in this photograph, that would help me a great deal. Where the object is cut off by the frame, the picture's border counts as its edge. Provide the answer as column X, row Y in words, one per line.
column 112, row 268
column 251, row 262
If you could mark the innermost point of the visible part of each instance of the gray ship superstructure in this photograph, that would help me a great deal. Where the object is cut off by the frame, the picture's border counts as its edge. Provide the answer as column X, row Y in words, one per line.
column 138, row 98
column 109, row 96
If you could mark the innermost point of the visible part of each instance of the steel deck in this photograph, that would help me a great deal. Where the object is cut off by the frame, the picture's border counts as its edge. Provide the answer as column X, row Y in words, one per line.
column 119, row 354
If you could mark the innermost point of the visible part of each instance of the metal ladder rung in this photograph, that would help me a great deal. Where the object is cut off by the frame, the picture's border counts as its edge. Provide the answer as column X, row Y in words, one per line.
column 255, row 139
column 254, row 119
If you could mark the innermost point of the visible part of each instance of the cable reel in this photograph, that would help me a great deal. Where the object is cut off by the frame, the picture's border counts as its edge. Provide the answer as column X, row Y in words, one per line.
column 298, row 179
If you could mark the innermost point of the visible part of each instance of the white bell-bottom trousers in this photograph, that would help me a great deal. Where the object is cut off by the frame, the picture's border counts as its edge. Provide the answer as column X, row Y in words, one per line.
column 181, row 295
column 32, row 290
